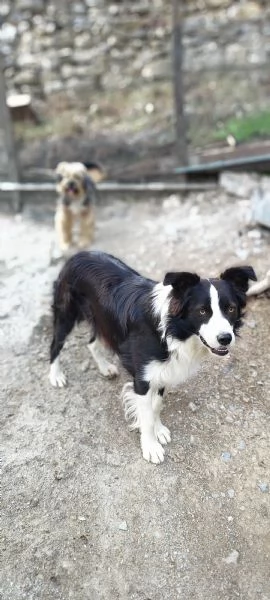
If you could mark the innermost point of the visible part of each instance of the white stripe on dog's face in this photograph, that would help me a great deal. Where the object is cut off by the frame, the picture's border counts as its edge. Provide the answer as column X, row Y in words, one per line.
column 161, row 302
column 217, row 324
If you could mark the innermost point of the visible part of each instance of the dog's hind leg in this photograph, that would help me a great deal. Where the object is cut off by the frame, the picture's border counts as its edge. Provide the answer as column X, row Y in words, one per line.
column 62, row 328
column 106, row 368
column 65, row 316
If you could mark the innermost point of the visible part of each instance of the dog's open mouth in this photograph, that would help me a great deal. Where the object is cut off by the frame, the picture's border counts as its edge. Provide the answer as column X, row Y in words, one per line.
column 221, row 351
column 73, row 191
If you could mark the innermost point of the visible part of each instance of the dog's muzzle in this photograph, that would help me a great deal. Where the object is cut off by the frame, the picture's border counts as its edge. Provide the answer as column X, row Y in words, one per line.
column 222, row 350
column 72, row 187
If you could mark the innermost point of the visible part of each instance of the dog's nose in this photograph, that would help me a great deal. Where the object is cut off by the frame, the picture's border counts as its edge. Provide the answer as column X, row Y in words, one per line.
column 224, row 339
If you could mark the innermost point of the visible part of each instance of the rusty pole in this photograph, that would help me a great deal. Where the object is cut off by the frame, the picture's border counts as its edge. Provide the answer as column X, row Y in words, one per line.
column 178, row 83
column 8, row 163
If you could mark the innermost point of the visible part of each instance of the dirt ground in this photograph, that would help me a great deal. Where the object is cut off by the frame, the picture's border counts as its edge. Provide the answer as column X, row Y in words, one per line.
column 84, row 517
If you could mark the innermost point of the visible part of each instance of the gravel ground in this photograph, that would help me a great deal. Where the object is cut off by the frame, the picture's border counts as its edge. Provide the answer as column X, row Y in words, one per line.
column 84, row 516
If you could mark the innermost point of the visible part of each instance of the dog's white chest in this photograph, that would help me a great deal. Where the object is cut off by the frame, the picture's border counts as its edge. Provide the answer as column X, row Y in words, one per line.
column 184, row 361
column 76, row 208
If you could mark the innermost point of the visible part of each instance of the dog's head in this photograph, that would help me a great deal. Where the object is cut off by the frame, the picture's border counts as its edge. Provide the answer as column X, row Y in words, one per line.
column 212, row 309
column 71, row 180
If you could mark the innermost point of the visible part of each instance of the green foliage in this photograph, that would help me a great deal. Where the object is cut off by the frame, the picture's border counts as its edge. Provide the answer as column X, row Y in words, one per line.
column 246, row 128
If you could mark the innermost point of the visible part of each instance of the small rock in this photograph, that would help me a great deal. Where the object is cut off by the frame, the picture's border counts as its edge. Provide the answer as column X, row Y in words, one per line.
column 114, row 9
column 85, row 366
column 242, row 445
column 226, row 456
column 171, row 231
column 123, row 526
column 193, row 406
column 171, row 202
column 239, row 184
column 231, row 141
column 264, row 487
column 242, row 253
column 254, row 234
column 261, row 207
column 34, row 501
column 231, row 493
column 58, row 474
column 149, row 108
column 232, row 559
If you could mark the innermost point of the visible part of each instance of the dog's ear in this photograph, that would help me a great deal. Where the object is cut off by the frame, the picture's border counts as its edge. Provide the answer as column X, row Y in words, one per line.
column 239, row 277
column 181, row 281
column 90, row 191
column 62, row 165
column 59, row 171
column 88, row 184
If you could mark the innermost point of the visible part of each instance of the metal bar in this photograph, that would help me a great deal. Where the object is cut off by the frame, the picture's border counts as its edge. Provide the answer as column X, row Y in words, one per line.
column 110, row 186
column 218, row 165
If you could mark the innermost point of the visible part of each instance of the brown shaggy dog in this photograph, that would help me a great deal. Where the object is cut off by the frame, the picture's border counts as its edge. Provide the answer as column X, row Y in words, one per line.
column 76, row 189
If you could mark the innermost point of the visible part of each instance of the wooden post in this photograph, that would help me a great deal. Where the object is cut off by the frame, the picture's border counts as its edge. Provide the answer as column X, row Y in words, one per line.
column 8, row 164
column 178, row 84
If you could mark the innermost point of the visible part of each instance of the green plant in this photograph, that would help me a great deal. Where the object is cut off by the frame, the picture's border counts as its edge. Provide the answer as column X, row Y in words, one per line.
column 246, row 127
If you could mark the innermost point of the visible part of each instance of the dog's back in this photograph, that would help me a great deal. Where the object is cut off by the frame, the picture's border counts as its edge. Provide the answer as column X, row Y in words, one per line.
column 102, row 290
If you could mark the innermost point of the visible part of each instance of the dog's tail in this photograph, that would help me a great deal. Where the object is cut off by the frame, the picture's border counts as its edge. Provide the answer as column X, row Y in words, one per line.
column 95, row 171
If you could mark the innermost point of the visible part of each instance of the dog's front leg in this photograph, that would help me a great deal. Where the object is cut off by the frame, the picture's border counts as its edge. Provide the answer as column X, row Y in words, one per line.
column 87, row 224
column 63, row 226
column 140, row 410
column 162, row 433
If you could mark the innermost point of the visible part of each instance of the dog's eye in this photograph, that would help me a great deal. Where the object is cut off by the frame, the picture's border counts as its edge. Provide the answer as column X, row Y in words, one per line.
column 202, row 311
column 231, row 309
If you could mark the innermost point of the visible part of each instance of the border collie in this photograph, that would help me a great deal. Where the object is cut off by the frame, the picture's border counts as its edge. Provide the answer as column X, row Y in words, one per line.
column 160, row 331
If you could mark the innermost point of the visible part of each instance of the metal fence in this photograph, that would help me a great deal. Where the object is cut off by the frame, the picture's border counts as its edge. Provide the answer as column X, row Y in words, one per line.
column 200, row 96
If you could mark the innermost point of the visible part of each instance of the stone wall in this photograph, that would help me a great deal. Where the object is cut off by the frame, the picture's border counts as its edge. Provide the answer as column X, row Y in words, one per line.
column 99, row 67
column 56, row 45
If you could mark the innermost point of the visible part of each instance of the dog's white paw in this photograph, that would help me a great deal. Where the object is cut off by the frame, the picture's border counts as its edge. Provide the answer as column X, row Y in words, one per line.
column 152, row 450
column 108, row 370
column 162, row 433
column 57, row 377
column 65, row 248
column 84, row 244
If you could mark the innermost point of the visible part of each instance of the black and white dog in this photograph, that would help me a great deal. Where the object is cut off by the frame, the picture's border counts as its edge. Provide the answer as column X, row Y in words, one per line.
column 160, row 331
